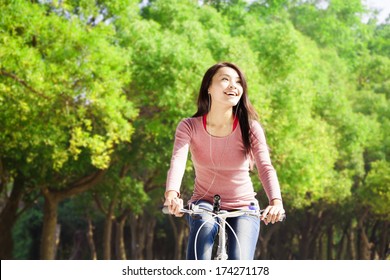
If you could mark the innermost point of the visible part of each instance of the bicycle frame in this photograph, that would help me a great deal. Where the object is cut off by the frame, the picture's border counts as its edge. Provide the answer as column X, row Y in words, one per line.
column 221, row 251
column 222, row 215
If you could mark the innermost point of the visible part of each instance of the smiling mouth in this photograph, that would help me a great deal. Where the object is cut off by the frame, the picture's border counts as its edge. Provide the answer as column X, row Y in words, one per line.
column 231, row 93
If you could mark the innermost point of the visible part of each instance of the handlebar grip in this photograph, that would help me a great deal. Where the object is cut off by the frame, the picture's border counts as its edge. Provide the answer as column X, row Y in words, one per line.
column 282, row 219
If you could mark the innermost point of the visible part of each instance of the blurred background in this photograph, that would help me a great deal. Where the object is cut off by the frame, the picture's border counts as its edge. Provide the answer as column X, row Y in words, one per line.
column 91, row 93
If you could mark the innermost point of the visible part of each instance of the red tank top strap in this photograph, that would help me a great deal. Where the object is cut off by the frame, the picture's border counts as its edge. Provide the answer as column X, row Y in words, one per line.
column 235, row 123
column 204, row 120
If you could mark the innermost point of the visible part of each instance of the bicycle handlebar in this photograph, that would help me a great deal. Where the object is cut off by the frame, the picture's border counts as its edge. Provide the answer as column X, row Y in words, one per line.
column 222, row 213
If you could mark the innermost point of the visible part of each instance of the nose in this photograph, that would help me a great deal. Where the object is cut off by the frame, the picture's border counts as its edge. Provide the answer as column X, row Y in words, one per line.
column 232, row 85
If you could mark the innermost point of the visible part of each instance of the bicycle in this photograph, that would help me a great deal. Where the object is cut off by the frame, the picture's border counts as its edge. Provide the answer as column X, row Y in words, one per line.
column 221, row 215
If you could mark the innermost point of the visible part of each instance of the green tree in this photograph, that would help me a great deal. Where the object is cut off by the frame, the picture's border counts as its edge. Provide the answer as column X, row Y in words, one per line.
column 317, row 74
column 63, row 110
column 336, row 24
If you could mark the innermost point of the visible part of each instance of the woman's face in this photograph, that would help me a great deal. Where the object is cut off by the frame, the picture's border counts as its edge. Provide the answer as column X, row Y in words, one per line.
column 225, row 88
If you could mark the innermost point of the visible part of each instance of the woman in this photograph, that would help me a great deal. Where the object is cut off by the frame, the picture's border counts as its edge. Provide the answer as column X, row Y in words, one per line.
column 224, row 137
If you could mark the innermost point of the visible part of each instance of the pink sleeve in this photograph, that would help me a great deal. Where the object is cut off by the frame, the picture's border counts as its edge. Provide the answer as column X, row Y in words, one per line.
column 266, row 171
column 179, row 156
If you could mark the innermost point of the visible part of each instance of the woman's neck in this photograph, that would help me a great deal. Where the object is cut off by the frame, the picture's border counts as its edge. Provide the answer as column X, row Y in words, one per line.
column 220, row 118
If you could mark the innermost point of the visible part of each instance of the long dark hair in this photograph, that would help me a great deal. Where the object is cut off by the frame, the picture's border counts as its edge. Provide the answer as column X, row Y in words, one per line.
column 244, row 110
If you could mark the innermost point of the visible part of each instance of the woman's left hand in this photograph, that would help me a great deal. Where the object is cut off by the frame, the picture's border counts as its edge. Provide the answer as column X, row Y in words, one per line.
column 273, row 213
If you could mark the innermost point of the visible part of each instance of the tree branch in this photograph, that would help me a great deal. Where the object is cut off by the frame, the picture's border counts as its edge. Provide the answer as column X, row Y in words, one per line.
column 22, row 82
column 80, row 185
column 100, row 204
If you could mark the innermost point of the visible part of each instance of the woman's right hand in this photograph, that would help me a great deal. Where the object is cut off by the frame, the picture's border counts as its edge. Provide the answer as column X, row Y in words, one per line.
column 274, row 211
column 174, row 203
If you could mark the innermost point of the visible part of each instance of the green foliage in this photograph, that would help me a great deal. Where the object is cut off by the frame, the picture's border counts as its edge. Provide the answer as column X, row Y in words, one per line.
column 103, row 84
column 380, row 42
column 61, row 88
column 377, row 189
column 338, row 25
column 129, row 193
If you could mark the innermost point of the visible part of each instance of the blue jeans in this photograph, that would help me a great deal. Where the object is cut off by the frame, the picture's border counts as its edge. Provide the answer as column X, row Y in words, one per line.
column 246, row 227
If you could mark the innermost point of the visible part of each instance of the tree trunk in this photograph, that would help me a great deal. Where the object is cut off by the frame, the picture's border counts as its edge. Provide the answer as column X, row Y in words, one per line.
column 120, row 248
column 141, row 237
column 134, row 234
column 320, row 246
column 351, row 243
column 151, row 224
column 90, row 240
column 364, row 245
column 384, row 241
column 373, row 241
column 363, row 242
column 341, row 254
column 142, row 230
column 342, row 247
column 49, row 231
column 309, row 233
column 8, row 217
column 330, row 243
column 107, row 234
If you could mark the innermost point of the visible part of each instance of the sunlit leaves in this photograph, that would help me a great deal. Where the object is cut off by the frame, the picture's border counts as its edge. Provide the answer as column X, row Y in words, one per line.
column 76, row 74
column 377, row 188
column 62, row 86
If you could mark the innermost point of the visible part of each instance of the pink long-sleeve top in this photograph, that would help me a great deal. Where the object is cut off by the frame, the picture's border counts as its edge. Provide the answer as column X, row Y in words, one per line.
column 221, row 165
